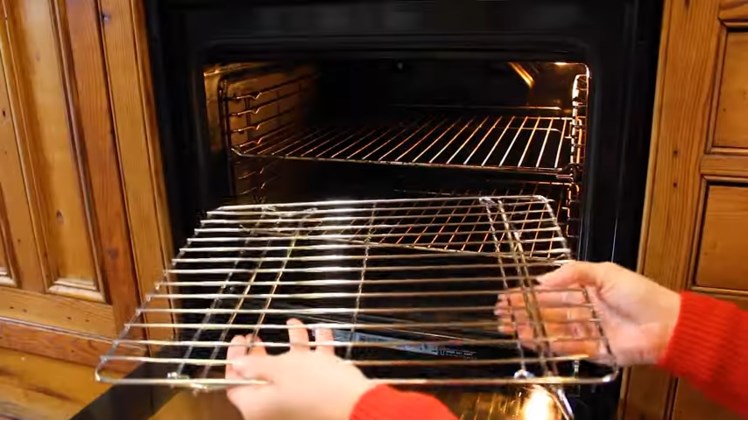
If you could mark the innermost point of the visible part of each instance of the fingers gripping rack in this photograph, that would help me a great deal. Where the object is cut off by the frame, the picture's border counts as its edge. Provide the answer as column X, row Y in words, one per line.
column 408, row 287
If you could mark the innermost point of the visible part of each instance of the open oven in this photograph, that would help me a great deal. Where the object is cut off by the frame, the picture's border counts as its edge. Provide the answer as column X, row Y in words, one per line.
column 472, row 128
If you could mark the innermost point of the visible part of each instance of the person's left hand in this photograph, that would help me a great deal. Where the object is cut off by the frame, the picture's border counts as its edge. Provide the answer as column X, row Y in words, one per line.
column 301, row 383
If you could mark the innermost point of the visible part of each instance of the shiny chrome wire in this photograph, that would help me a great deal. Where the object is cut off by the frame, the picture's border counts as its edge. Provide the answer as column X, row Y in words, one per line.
column 486, row 141
column 388, row 276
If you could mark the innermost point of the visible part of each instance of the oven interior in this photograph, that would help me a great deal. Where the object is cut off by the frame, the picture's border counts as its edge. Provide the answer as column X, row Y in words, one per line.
column 296, row 131
column 376, row 128
column 433, row 131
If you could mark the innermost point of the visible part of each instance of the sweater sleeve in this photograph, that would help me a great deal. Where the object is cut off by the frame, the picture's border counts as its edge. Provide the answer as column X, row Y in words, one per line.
column 709, row 349
column 385, row 402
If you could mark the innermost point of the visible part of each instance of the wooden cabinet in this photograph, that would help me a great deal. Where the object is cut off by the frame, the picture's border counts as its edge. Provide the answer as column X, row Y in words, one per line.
column 696, row 218
column 731, row 126
column 82, row 231
column 721, row 249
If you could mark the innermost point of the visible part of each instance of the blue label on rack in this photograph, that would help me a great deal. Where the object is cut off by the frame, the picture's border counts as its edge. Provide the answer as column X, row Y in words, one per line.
column 419, row 348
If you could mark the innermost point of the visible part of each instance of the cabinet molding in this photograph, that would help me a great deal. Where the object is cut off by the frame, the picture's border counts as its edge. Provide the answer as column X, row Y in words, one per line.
column 731, row 125
column 21, row 251
column 85, row 230
column 49, row 149
column 698, row 157
column 6, row 259
column 733, row 10
column 74, row 346
column 126, row 50
column 725, row 165
column 59, row 312
column 724, row 238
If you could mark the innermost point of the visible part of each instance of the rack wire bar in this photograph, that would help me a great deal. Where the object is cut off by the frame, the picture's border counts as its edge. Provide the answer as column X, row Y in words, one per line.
column 408, row 286
column 465, row 139
column 563, row 197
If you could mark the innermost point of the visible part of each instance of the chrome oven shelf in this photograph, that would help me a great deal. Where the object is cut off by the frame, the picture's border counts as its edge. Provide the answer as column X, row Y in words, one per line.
column 408, row 286
column 497, row 141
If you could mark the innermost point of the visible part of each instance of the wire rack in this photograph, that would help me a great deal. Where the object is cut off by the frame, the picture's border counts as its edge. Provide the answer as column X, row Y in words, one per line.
column 562, row 196
column 408, row 287
column 477, row 140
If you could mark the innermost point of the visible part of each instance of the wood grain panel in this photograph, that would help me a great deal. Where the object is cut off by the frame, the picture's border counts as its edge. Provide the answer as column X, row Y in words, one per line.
column 731, row 128
column 733, row 10
column 725, row 165
column 33, row 387
column 50, row 149
column 690, row 404
column 94, row 127
column 126, row 51
column 646, row 394
column 682, row 116
column 681, row 133
column 62, row 344
column 724, row 239
column 6, row 276
column 85, row 207
column 62, row 312
column 20, row 249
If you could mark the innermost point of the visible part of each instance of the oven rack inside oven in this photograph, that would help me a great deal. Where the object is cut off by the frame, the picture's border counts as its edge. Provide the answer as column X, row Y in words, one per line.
column 513, row 140
column 408, row 287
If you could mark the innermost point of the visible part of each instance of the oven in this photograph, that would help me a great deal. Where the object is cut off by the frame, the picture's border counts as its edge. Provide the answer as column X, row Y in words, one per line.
column 382, row 150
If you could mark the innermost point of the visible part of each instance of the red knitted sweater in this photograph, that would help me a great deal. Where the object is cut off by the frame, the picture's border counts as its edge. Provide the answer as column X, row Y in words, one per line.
column 709, row 348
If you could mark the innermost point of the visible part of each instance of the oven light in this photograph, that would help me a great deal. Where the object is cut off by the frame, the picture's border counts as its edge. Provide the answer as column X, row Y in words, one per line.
column 539, row 405
column 522, row 72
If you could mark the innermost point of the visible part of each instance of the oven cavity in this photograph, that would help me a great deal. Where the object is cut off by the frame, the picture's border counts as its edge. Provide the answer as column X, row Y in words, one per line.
column 371, row 129
column 390, row 201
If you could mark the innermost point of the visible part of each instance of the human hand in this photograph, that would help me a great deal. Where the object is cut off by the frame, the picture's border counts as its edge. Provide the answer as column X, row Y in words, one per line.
column 637, row 315
column 301, row 383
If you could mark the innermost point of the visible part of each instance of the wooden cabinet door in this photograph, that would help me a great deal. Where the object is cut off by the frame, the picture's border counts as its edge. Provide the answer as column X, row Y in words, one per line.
column 68, row 275
column 694, row 235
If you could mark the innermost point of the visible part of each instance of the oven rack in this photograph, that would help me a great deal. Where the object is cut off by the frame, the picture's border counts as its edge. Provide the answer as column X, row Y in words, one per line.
column 255, row 180
column 408, row 287
column 563, row 196
column 471, row 139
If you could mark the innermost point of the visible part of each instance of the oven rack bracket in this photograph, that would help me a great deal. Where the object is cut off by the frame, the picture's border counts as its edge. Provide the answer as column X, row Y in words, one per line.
column 408, row 287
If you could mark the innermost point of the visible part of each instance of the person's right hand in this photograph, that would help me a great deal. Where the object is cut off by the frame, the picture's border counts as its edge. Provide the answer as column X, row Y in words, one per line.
column 301, row 383
column 637, row 315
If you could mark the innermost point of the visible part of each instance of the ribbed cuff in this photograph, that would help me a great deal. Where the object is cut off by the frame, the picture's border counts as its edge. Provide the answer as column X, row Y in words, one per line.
column 384, row 402
column 700, row 347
